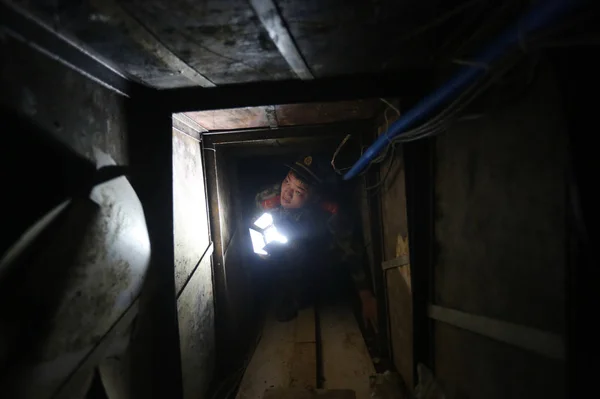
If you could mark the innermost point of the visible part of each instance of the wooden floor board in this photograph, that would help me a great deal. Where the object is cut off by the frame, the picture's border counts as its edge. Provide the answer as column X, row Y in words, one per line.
column 346, row 360
column 286, row 356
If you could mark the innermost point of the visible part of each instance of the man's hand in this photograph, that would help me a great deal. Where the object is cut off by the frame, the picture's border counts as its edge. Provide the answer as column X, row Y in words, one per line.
column 369, row 309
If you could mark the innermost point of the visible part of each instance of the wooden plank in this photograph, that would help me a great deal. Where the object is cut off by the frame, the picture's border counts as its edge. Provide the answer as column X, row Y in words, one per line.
column 470, row 365
column 334, row 38
column 325, row 112
column 544, row 343
column 271, row 363
column 187, row 126
column 183, row 117
column 269, row 15
column 400, row 319
column 400, row 261
column 346, row 360
column 304, row 366
column 149, row 42
column 224, row 40
column 405, row 83
column 231, row 119
column 18, row 22
column 335, row 131
column 305, row 326
column 271, row 115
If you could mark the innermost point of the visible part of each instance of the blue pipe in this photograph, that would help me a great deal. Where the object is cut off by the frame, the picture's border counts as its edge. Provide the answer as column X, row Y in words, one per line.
column 536, row 18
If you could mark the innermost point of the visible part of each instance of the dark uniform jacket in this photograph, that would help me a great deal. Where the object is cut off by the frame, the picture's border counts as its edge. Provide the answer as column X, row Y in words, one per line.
column 316, row 226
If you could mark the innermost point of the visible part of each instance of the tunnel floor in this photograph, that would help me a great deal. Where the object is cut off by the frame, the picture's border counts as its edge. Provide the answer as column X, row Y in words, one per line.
column 323, row 343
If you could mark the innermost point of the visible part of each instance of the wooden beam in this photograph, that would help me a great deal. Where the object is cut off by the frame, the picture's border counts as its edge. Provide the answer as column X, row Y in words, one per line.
column 140, row 34
column 271, row 114
column 185, row 125
column 408, row 82
column 396, row 262
column 22, row 25
column 272, row 21
column 182, row 118
column 339, row 129
column 542, row 342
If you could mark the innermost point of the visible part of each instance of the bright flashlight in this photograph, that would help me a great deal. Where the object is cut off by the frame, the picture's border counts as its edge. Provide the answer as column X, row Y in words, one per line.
column 264, row 232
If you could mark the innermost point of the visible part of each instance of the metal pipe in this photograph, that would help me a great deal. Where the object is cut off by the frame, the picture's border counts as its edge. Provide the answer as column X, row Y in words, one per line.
column 536, row 18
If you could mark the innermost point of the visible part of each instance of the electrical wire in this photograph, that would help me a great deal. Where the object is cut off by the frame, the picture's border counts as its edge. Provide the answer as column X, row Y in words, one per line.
column 335, row 154
column 377, row 186
column 381, row 157
column 444, row 118
column 448, row 115
column 440, row 122
column 433, row 126
column 389, row 104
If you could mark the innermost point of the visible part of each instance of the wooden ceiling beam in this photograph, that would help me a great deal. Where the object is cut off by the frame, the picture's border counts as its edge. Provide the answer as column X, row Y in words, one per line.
column 273, row 22
column 407, row 83
column 148, row 41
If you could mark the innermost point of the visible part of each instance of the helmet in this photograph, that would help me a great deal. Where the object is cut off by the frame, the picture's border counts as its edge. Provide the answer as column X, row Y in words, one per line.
column 312, row 170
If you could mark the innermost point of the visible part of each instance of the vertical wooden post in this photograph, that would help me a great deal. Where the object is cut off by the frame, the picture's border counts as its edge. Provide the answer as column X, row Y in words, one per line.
column 223, row 339
column 380, row 288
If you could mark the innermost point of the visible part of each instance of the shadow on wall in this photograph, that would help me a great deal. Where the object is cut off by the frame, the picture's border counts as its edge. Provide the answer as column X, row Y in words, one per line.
column 66, row 277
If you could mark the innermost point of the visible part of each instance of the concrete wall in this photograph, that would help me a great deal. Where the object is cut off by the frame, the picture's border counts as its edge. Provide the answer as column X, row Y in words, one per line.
column 500, row 229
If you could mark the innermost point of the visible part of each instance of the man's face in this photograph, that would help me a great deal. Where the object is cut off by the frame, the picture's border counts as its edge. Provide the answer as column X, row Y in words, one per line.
column 294, row 192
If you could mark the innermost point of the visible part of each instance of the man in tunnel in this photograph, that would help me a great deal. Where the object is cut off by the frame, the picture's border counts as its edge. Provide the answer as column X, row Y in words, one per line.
column 316, row 235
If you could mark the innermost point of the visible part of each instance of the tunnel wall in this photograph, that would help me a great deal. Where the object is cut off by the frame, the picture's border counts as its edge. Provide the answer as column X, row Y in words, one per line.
column 232, row 286
column 397, row 279
column 500, row 244
column 69, row 308
column 193, row 266
column 238, row 282
column 501, row 239
column 394, row 244
column 58, row 126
